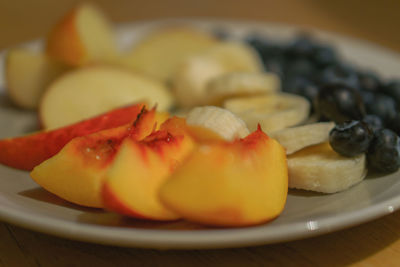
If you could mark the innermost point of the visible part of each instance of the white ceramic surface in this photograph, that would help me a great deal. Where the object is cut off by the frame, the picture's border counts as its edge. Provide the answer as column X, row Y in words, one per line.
column 23, row 203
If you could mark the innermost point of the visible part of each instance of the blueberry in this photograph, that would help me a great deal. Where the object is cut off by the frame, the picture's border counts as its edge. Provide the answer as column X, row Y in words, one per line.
column 351, row 138
column 257, row 43
column 374, row 122
column 299, row 67
column 381, row 105
column 393, row 89
column 369, row 81
column 394, row 124
column 302, row 46
column 367, row 97
column 340, row 74
column 384, row 151
column 324, row 56
column 300, row 85
column 276, row 65
column 339, row 103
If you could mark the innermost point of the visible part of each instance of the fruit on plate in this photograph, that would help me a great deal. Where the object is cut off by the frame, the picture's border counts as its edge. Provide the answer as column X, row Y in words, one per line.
column 319, row 168
column 28, row 74
column 237, row 183
column 236, row 56
column 88, row 91
column 193, row 74
column 84, row 35
column 26, row 152
column 190, row 80
column 235, row 84
column 296, row 138
column 220, row 121
column 273, row 111
column 159, row 53
column 76, row 173
column 140, row 168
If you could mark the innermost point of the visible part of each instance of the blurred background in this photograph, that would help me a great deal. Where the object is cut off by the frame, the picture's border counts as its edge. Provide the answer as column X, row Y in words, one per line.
column 373, row 20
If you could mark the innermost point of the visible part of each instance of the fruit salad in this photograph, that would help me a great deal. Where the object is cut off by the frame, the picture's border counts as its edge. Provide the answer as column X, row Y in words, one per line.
column 193, row 125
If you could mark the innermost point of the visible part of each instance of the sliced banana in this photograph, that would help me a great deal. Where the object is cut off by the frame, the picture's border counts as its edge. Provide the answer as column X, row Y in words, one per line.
column 241, row 84
column 273, row 112
column 218, row 120
column 189, row 82
column 193, row 73
column 319, row 168
column 295, row 138
column 236, row 56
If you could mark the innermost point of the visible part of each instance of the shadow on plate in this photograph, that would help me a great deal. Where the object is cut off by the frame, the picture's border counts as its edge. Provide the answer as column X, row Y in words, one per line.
column 42, row 195
column 116, row 220
column 100, row 217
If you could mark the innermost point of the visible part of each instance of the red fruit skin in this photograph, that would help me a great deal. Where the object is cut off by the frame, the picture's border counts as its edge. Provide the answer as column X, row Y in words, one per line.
column 26, row 152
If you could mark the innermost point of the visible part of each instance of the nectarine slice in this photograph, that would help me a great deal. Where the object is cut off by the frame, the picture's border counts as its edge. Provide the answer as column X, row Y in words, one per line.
column 77, row 172
column 138, row 170
column 241, row 183
column 84, row 35
column 26, row 152
column 88, row 91
column 28, row 74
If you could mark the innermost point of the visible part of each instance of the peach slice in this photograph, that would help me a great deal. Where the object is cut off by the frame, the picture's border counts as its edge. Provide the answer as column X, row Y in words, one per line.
column 77, row 172
column 26, row 152
column 132, row 182
column 84, row 35
column 28, row 74
column 88, row 91
column 241, row 183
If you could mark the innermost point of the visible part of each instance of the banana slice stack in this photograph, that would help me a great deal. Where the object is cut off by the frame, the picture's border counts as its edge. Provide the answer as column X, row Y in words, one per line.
column 313, row 164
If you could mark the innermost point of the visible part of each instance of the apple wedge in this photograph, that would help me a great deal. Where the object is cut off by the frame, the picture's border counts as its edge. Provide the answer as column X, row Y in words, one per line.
column 138, row 170
column 91, row 90
column 26, row 152
column 28, row 74
column 159, row 53
column 76, row 173
column 84, row 35
column 240, row 183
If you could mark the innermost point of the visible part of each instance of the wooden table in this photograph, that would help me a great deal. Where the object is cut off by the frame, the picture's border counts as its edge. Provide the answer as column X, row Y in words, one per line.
column 375, row 243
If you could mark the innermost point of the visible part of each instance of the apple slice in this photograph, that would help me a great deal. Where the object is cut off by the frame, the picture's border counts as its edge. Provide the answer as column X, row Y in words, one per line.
column 159, row 53
column 26, row 152
column 132, row 182
column 89, row 91
column 28, row 73
column 77, row 172
column 241, row 183
column 84, row 35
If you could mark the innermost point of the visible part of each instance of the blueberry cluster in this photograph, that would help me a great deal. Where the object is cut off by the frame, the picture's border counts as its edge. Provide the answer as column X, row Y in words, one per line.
column 365, row 108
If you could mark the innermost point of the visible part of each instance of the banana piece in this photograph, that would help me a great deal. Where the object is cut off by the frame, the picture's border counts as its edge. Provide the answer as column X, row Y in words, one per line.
column 273, row 112
column 189, row 82
column 319, row 168
column 236, row 56
column 193, row 73
column 295, row 138
column 241, row 84
column 220, row 121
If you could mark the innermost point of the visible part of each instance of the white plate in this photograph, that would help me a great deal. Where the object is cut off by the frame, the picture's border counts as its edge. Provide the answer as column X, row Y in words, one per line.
column 23, row 203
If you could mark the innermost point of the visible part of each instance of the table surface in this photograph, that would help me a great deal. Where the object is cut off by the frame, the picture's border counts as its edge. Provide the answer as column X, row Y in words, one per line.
column 376, row 243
